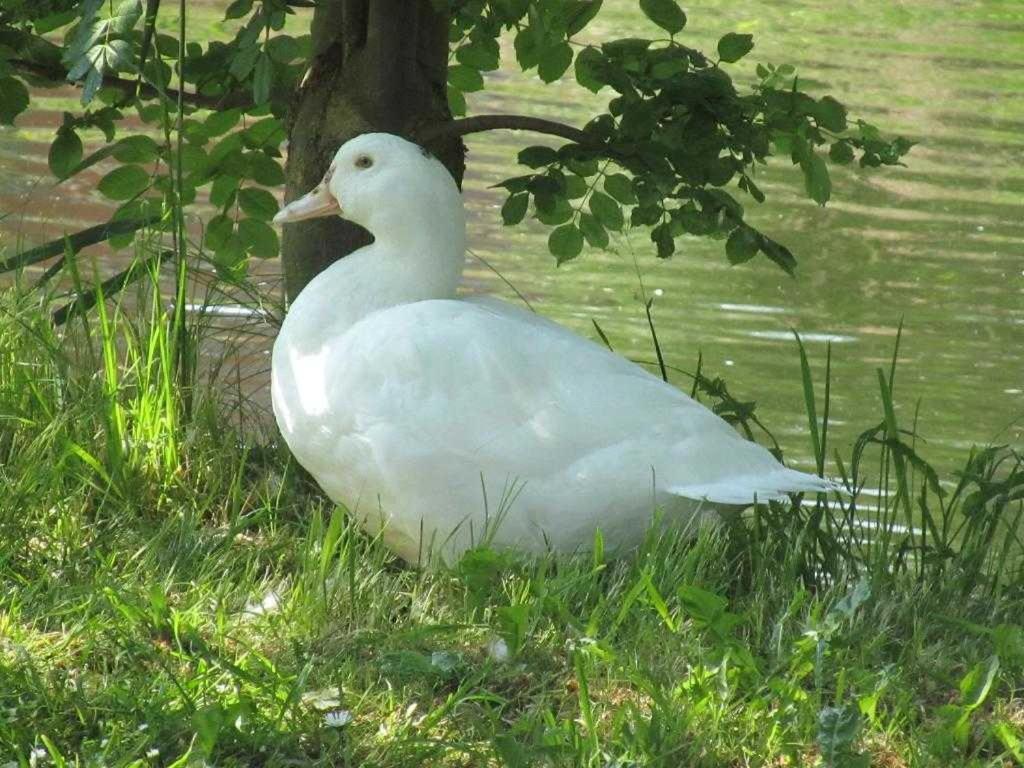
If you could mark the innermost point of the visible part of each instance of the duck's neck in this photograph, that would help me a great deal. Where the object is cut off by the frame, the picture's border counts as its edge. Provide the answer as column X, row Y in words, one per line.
column 417, row 258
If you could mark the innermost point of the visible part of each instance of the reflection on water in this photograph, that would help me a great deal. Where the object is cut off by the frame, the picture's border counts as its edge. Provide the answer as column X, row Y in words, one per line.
column 939, row 244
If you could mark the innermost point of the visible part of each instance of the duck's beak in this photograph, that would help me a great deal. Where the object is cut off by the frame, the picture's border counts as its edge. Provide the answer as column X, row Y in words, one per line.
column 319, row 202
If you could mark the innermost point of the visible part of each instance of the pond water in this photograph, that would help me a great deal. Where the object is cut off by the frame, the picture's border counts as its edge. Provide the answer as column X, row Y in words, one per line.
column 939, row 244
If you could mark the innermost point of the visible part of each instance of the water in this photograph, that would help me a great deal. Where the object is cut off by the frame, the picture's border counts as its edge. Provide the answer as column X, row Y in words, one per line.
column 940, row 243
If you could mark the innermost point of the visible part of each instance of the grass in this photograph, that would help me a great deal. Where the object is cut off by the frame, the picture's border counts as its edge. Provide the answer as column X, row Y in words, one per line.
column 174, row 592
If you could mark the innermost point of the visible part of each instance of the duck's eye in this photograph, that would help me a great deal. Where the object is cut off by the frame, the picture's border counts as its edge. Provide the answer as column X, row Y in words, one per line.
column 364, row 161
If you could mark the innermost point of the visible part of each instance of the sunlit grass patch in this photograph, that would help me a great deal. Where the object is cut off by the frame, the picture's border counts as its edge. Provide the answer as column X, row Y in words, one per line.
column 175, row 591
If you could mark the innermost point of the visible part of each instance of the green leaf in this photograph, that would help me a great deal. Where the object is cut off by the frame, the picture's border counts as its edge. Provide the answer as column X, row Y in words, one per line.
column 593, row 231
column 668, row 69
column 703, row 606
column 816, row 178
column 665, row 13
column 579, row 14
column 243, row 61
column 221, row 122
column 466, row 79
column 482, row 54
column 837, row 730
column 218, row 232
column 607, row 211
column 262, row 78
column 510, row 11
column 223, row 190
column 525, row 46
column 589, row 62
column 778, row 253
column 514, row 209
column 747, row 184
column 125, row 17
column 283, row 48
column 553, row 61
column 195, row 132
column 830, row 114
column 258, row 238
column 65, row 153
column 53, row 21
column 124, row 182
column 238, row 9
column 976, row 684
column 661, row 236
column 742, row 245
column 230, row 260
column 257, row 203
column 733, row 46
column 841, row 152
column 535, row 157
column 575, row 186
column 565, row 242
column 456, row 101
column 194, row 160
column 266, row 132
column 86, row 32
column 136, row 149
column 619, row 186
column 552, row 209
column 265, row 170
column 1004, row 731
column 13, row 99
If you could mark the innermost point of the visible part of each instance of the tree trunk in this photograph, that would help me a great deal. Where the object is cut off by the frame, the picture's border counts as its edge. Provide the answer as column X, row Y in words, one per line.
column 376, row 65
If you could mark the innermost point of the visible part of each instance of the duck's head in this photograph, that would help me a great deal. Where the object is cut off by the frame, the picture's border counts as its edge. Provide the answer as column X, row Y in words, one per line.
column 381, row 182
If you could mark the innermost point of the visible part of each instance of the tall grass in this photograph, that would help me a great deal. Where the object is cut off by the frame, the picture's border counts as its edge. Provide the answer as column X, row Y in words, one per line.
column 174, row 592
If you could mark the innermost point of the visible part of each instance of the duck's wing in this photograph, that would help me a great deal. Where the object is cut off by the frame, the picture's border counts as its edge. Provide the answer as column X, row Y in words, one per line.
column 483, row 384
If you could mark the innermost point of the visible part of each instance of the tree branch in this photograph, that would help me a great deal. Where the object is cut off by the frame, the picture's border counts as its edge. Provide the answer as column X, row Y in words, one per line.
column 109, row 287
column 481, row 123
column 58, row 76
column 77, row 241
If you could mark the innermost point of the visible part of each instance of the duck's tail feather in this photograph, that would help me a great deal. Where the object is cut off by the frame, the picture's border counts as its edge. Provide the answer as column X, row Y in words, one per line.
column 770, row 486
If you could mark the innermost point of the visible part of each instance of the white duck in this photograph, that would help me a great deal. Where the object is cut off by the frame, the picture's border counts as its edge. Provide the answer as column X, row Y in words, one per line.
column 442, row 422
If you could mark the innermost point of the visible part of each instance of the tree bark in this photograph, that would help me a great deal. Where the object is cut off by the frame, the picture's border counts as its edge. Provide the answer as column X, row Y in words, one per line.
column 377, row 65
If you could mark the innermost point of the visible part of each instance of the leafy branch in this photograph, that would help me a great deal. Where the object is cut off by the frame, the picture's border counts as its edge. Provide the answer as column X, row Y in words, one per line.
column 674, row 152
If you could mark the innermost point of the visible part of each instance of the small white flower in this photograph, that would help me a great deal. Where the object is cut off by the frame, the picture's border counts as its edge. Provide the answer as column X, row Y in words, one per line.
column 337, row 718
column 323, row 699
column 152, row 754
column 37, row 755
column 729, row 363
column 143, row 726
column 659, row 292
column 497, row 649
column 270, row 603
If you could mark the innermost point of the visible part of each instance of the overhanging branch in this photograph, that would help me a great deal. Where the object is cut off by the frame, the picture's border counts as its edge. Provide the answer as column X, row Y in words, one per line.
column 77, row 241
column 58, row 76
column 480, row 123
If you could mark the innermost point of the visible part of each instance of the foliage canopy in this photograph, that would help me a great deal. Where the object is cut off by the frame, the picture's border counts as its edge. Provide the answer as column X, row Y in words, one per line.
column 676, row 150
